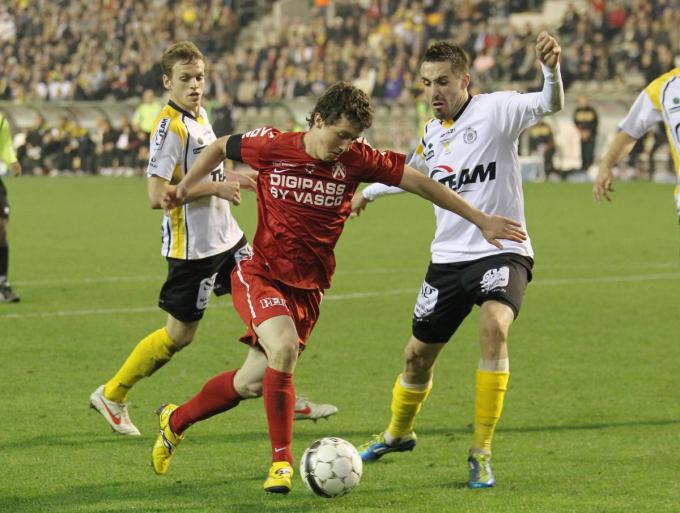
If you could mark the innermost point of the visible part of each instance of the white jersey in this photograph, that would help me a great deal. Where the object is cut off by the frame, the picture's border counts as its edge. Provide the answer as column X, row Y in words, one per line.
column 476, row 155
column 659, row 101
column 203, row 227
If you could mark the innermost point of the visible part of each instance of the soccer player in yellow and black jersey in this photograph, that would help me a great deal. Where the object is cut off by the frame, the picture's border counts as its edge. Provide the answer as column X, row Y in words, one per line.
column 659, row 101
column 202, row 242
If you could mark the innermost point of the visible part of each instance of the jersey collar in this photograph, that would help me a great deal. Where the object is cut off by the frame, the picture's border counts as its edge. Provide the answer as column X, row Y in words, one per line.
column 458, row 114
column 180, row 109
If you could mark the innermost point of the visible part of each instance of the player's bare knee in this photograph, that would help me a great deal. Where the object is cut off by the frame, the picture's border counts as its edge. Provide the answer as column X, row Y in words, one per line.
column 417, row 361
column 250, row 390
column 283, row 354
column 494, row 331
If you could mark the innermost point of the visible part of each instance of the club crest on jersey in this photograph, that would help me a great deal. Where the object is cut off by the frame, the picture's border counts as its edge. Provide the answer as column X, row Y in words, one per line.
column 469, row 136
column 339, row 171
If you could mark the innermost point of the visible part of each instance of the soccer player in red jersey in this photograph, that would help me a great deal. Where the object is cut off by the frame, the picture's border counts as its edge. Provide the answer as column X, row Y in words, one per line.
column 306, row 181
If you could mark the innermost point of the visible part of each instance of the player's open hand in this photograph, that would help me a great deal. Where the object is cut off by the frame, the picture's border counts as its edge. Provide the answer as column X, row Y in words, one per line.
column 359, row 204
column 229, row 190
column 548, row 50
column 15, row 167
column 603, row 184
column 498, row 227
column 246, row 179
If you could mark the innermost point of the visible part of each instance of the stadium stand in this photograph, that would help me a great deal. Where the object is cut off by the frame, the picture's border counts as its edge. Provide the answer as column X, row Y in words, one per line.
column 89, row 62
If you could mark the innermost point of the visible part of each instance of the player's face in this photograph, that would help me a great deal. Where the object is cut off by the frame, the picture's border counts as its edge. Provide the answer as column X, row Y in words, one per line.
column 446, row 91
column 334, row 140
column 186, row 84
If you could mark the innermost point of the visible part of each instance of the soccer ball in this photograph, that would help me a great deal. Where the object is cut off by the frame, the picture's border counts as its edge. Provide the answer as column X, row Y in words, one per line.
column 331, row 467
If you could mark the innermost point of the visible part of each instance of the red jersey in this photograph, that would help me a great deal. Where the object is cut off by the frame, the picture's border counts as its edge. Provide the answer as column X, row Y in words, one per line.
column 303, row 202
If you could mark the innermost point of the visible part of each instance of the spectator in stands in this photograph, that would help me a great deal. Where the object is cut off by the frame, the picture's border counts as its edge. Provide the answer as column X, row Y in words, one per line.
column 147, row 111
column 542, row 143
column 586, row 121
column 58, row 147
column 222, row 116
column 31, row 153
column 127, row 145
column 106, row 138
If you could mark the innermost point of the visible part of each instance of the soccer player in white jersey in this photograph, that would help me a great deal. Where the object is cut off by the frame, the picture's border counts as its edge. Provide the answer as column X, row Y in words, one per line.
column 202, row 242
column 659, row 101
column 470, row 146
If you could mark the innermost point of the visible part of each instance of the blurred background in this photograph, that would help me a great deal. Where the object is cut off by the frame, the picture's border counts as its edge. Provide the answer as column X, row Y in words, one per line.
column 80, row 81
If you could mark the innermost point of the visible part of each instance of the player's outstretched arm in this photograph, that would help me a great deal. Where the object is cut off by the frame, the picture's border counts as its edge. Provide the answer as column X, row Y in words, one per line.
column 492, row 227
column 604, row 182
column 362, row 198
column 208, row 160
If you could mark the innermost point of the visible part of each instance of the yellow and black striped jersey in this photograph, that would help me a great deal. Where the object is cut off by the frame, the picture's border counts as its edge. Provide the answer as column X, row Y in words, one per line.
column 204, row 227
column 659, row 101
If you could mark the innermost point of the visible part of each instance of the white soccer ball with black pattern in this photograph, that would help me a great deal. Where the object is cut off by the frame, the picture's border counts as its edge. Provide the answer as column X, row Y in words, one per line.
column 331, row 467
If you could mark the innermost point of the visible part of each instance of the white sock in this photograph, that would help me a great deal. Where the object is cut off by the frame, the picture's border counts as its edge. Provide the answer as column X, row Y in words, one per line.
column 502, row 365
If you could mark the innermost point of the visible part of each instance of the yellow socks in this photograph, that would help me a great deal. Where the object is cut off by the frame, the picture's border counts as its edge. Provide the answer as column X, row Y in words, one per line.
column 149, row 356
column 406, row 402
column 490, row 392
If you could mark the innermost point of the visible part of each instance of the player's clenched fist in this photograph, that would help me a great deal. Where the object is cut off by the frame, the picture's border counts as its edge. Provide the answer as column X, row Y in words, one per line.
column 548, row 50
column 172, row 197
column 229, row 190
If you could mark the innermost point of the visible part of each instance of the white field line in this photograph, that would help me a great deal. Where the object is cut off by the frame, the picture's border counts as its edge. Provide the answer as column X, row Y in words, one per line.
column 354, row 295
column 381, row 270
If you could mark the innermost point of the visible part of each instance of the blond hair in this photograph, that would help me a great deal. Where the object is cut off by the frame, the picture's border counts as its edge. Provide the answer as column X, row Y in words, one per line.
column 181, row 51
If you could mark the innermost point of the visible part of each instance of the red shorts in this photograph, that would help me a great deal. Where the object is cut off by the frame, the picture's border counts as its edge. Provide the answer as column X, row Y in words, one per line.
column 258, row 297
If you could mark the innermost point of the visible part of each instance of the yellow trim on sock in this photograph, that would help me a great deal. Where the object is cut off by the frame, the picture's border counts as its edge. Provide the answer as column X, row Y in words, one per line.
column 406, row 404
column 490, row 392
column 147, row 357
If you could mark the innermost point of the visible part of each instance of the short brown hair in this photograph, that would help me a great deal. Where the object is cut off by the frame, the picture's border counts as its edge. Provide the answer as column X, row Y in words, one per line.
column 343, row 99
column 184, row 51
column 444, row 51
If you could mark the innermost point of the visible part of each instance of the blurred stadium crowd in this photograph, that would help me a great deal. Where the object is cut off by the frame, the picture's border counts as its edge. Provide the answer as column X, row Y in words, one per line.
column 108, row 50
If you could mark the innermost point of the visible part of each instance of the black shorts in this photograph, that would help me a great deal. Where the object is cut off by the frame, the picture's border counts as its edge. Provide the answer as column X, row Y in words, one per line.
column 4, row 205
column 186, row 291
column 451, row 290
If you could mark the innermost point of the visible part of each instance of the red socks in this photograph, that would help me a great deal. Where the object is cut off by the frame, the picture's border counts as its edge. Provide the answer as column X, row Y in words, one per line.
column 216, row 396
column 278, row 392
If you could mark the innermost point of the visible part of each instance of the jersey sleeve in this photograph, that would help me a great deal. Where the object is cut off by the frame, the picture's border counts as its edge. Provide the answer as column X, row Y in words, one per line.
column 641, row 117
column 417, row 160
column 381, row 166
column 252, row 142
column 167, row 145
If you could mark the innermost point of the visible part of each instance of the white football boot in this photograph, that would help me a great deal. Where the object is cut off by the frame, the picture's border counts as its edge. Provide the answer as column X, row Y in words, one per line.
column 307, row 410
column 116, row 414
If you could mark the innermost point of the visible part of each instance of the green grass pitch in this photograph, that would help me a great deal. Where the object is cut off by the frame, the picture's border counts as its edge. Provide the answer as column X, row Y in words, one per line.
column 592, row 417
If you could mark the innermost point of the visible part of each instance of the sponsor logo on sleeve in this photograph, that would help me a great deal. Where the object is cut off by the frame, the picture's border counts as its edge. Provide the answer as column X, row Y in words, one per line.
column 161, row 133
